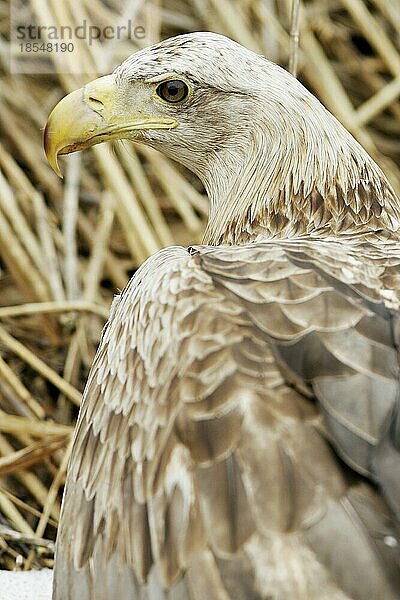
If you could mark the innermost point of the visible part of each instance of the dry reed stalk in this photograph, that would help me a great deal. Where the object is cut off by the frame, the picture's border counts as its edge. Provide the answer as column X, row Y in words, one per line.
column 9, row 534
column 101, row 240
column 44, row 16
column 38, row 365
column 62, row 306
column 183, row 191
column 168, row 180
column 26, row 236
column 233, row 25
column 75, row 353
column 375, row 34
column 51, row 501
column 294, row 38
column 112, row 265
column 30, row 455
column 70, row 211
column 13, row 515
column 66, row 15
column 378, row 102
column 362, row 70
column 26, row 148
column 28, row 479
column 152, row 16
column 320, row 72
column 50, row 258
column 26, row 507
column 22, row 425
column 28, row 278
column 8, row 376
column 139, row 236
column 14, row 173
column 140, row 182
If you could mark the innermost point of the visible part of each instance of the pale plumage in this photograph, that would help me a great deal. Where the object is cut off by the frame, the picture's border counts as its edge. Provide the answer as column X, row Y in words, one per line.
column 230, row 379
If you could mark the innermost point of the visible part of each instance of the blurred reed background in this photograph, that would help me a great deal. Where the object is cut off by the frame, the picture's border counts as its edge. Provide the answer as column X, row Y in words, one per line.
column 67, row 246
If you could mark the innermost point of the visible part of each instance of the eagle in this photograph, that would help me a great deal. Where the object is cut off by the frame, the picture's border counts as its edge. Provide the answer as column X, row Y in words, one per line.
column 239, row 434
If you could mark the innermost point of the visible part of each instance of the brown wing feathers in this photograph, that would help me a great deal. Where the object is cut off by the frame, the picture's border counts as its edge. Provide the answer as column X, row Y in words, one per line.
column 198, row 469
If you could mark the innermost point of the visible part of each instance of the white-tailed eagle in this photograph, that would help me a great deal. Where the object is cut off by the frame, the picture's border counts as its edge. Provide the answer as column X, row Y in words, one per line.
column 239, row 434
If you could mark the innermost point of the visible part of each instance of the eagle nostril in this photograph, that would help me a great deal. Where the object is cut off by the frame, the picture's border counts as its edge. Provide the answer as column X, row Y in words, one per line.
column 95, row 103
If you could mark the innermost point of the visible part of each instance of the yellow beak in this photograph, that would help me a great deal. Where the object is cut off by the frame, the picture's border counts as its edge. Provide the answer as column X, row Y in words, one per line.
column 93, row 114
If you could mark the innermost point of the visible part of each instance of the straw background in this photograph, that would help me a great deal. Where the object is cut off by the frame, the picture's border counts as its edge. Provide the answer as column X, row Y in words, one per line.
column 67, row 246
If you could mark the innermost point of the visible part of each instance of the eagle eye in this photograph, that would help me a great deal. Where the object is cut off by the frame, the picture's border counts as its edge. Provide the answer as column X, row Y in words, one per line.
column 173, row 91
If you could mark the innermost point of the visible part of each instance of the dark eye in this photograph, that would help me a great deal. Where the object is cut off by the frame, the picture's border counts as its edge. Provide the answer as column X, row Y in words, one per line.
column 173, row 91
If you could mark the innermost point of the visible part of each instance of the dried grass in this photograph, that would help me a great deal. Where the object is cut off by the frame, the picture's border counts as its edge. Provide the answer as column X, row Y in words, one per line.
column 66, row 247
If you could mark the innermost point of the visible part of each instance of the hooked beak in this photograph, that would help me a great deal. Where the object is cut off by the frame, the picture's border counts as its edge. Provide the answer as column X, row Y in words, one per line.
column 91, row 115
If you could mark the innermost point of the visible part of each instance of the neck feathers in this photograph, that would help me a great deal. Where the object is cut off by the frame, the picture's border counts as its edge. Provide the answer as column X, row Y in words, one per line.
column 300, row 173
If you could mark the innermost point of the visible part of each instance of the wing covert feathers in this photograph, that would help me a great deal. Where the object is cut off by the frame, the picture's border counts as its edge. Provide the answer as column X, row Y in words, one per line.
column 205, row 460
